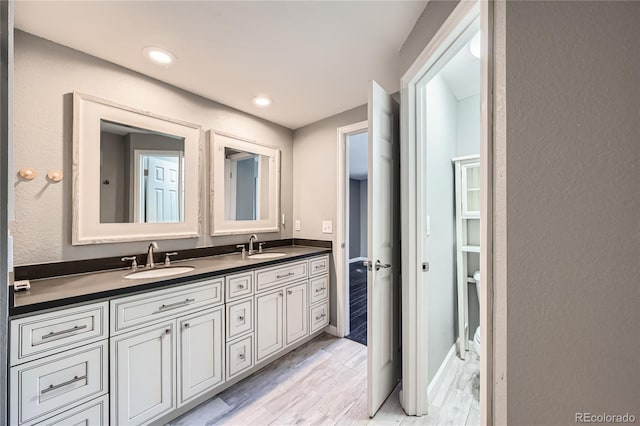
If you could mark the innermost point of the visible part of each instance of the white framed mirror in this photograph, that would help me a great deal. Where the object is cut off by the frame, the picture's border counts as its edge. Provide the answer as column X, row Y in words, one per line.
column 135, row 174
column 245, row 185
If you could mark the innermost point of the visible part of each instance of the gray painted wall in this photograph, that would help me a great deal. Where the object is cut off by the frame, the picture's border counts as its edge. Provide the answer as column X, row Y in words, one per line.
column 45, row 75
column 434, row 14
column 354, row 219
column 441, row 148
column 315, row 179
column 468, row 117
column 364, row 217
column 567, row 229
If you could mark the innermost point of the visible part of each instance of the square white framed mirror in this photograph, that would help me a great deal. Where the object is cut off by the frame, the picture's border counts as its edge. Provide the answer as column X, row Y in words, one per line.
column 245, row 185
column 135, row 174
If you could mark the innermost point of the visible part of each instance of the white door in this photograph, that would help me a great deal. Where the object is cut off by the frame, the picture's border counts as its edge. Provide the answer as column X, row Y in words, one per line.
column 296, row 313
column 163, row 181
column 383, row 237
column 142, row 379
column 200, row 366
column 269, row 327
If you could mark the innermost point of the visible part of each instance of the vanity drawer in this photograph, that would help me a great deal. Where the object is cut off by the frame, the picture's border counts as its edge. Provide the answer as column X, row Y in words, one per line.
column 49, row 386
column 239, row 356
column 319, row 266
column 272, row 277
column 239, row 318
column 37, row 336
column 92, row 413
column 129, row 312
column 319, row 316
column 319, row 289
column 239, row 285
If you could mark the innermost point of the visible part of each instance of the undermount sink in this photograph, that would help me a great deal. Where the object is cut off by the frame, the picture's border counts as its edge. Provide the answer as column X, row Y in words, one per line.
column 159, row 272
column 271, row 255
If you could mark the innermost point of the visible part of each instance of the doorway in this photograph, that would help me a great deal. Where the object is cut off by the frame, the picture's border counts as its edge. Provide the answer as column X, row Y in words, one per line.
column 446, row 243
column 357, row 216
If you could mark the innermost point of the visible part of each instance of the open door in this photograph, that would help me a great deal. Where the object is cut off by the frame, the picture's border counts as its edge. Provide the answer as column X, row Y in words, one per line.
column 384, row 358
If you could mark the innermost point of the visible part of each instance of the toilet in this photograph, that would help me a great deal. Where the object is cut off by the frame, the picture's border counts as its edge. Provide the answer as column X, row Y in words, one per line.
column 476, row 336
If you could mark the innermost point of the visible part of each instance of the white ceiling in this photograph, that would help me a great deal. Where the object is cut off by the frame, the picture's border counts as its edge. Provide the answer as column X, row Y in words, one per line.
column 314, row 59
column 462, row 74
column 358, row 156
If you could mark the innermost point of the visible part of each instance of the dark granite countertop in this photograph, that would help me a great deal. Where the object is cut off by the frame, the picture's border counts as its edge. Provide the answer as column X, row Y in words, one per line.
column 61, row 291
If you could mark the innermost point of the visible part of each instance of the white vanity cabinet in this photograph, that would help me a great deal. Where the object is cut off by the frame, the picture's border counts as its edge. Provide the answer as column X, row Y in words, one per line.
column 159, row 367
column 143, row 366
column 149, row 357
column 59, row 361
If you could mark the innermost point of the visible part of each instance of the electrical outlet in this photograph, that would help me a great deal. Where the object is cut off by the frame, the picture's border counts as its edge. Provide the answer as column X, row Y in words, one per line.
column 327, row 227
column 297, row 224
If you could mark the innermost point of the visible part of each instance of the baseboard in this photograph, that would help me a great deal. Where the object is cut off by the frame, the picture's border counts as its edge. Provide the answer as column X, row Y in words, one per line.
column 332, row 330
column 357, row 259
column 437, row 379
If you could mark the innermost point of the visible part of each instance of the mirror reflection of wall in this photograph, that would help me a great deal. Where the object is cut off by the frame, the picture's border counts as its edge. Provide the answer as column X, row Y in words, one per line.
column 246, row 185
column 141, row 175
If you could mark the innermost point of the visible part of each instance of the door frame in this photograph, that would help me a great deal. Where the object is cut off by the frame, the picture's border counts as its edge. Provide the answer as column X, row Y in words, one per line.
column 341, row 249
column 414, row 314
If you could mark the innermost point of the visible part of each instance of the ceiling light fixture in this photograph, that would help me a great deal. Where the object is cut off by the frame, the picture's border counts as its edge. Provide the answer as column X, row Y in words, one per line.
column 261, row 101
column 158, row 56
column 474, row 45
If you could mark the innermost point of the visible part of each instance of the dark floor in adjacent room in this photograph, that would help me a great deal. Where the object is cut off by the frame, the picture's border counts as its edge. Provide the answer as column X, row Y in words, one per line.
column 358, row 302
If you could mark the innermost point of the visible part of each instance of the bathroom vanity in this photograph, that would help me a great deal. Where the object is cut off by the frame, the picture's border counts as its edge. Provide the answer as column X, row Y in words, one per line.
column 103, row 349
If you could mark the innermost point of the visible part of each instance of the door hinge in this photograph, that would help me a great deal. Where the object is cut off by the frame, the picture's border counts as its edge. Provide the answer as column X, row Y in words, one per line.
column 425, row 266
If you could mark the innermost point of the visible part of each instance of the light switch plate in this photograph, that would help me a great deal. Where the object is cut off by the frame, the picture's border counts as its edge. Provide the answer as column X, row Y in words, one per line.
column 297, row 224
column 327, row 227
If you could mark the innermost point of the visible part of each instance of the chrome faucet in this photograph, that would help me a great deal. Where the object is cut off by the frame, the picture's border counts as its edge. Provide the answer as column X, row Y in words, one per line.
column 150, row 263
column 252, row 238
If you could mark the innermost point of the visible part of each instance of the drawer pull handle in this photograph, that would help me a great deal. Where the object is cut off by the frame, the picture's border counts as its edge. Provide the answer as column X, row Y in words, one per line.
column 285, row 275
column 241, row 318
column 319, row 317
column 318, row 290
column 241, row 286
column 58, row 333
column 319, row 266
column 176, row 305
column 68, row 382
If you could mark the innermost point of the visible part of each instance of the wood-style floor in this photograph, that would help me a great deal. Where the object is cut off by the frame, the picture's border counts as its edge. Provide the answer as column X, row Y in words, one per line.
column 324, row 382
column 358, row 303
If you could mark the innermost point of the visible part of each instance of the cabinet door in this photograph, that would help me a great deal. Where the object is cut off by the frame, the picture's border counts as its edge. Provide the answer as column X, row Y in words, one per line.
column 269, row 327
column 470, row 190
column 143, row 374
column 200, row 362
column 296, row 313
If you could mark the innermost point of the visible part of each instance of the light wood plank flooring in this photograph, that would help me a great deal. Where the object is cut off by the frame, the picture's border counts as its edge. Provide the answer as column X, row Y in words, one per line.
column 324, row 382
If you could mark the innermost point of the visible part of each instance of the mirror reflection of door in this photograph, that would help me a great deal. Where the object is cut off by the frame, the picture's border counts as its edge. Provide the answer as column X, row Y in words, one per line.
column 246, row 185
column 141, row 175
column 159, row 187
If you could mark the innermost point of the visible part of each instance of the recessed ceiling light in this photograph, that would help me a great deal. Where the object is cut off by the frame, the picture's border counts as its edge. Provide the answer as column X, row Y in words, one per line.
column 261, row 101
column 474, row 45
column 158, row 55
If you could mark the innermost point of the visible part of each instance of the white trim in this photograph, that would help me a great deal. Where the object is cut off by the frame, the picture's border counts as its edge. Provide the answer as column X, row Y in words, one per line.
column 332, row 330
column 357, row 259
column 218, row 223
column 465, row 158
column 341, row 247
column 88, row 111
column 414, row 344
column 436, row 382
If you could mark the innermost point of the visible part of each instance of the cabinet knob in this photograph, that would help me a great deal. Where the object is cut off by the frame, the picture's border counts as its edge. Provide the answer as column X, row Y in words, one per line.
column 242, row 357
column 186, row 325
column 241, row 318
column 289, row 292
column 281, row 294
column 241, row 286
